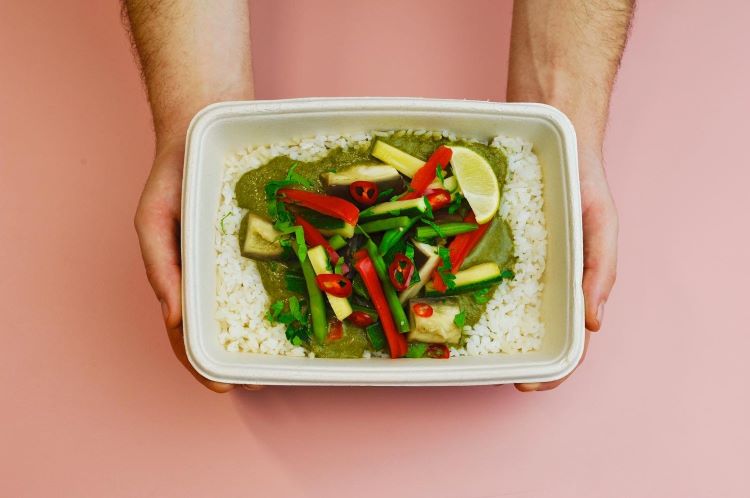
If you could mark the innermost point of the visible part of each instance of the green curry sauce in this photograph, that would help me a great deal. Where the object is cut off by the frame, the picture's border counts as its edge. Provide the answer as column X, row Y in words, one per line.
column 496, row 245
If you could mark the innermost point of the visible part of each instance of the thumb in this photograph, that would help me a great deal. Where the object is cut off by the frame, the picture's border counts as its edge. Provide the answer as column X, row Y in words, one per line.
column 600, row 228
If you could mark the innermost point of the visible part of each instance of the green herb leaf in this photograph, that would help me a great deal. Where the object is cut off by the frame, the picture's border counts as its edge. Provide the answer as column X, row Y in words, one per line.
column 460, row 319
column 295, row 310
column 445, row 269
column 293, row 176
column 428, row 211
column 455, row 204
column 409, row 253
column 416, row 350
column 481, row 296
column 221, row 223
column 439, row 173
column 274, row 310
column 507, row 274
column 445, row 256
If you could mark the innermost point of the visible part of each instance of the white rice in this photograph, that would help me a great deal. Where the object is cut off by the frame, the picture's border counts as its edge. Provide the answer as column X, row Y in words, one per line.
column 512, row 322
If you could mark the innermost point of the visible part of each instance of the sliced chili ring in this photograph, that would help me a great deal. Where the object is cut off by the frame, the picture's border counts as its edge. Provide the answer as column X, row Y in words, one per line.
column 422, row 309
column 335, row 285
column 438, row 351
column 364, row 192
column 400, row 271
column 439, row 198
column 361, row 319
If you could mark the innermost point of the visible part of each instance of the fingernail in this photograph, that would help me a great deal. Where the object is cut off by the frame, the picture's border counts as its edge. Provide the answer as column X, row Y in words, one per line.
column 531, row 386
column 600, row 313
column 164, row 309
column 251, row 387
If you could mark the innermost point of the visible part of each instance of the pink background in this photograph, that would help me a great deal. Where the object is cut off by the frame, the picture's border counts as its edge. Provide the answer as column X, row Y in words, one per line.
column 94, row 404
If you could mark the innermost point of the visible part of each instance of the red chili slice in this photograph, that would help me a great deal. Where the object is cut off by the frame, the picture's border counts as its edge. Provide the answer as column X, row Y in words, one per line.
column 335, row 285
column 335, row 330
column 365, row 193
column 400, row 271
column 439, row 198
column 438, row 351
column 422, row 309
column 361, row 319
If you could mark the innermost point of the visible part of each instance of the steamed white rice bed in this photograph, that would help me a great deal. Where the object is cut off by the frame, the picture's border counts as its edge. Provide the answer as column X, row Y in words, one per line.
column 512, row 322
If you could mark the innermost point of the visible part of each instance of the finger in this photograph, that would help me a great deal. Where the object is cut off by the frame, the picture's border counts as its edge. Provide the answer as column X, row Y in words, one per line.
column 600, row 227
column 526, row 387
column 178, row 346
column 157, row 224
column 252, row 387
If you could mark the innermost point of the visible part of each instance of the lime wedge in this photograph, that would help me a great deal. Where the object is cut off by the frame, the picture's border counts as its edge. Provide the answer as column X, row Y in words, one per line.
column 477, row 181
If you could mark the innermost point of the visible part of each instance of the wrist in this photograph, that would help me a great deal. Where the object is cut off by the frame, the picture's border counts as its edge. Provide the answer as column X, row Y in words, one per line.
column 587, row 109
column 171, row 121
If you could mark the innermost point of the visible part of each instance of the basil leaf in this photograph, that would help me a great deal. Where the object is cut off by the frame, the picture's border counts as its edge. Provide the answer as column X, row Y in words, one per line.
column 460, row 319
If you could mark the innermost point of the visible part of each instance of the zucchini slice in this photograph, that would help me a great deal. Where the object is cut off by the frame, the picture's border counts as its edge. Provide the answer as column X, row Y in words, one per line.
column 319, row 261
column 405, row 163
column 409, row 207
column 471, row 279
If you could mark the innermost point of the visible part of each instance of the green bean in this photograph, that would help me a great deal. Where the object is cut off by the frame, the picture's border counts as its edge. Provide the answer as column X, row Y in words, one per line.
column 446, row 230
column 385, row 224
column 317, row 305
column 391, row 237
column 399, row 316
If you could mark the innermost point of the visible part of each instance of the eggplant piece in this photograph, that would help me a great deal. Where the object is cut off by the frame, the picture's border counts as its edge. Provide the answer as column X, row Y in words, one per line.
column 437, row 328
column 261, row 240
column 384, row 176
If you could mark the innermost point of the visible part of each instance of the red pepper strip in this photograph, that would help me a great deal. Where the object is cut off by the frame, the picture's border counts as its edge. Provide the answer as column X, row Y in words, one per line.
column 335, row 285
column 400, row 271
column 396, row 341
column 313, row 237
column 459, row 248
column 439, row 198
column 426, row 174
column 326, row 204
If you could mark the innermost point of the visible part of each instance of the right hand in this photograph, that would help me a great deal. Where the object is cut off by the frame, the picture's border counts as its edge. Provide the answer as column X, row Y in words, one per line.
column 157, row 221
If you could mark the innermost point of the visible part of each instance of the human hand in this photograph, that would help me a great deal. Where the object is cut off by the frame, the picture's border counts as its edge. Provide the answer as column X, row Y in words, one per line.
column 157, row 221
column 600, row 227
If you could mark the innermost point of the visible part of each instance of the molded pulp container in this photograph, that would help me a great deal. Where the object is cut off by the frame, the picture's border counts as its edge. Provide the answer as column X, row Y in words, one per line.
column 222, row 129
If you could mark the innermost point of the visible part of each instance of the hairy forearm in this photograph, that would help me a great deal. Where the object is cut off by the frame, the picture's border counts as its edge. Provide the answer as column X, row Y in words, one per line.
column 566, row 53
column 192, row 53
